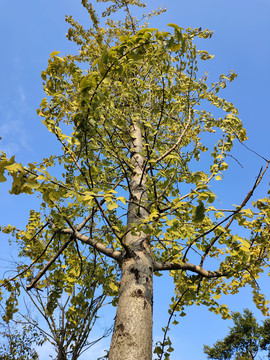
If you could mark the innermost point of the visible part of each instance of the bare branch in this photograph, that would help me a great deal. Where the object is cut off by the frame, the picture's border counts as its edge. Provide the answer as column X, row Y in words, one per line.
column 35, row 261
column 114, row 254
column 159, row 266
column 167, row 328
column 48, row 265
column 231, row 217
column 258, row 180
column 248, row 148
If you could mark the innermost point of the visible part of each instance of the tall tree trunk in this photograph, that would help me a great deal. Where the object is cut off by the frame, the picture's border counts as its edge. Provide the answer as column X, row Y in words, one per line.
column 61, row 354
column 132, row 335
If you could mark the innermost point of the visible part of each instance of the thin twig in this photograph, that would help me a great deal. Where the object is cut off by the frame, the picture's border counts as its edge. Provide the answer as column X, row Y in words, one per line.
column 35, row 261
column 169, row 321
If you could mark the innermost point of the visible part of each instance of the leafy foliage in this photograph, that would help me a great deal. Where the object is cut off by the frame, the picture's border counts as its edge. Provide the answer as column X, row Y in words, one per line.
column 67, row 298
column 244, row 341
column 134, row 118
column 18, row 344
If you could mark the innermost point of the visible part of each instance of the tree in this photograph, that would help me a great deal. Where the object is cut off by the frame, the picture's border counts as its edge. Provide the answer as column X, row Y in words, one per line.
column 245, row 339
column 133, row 117
column 17, row 342
column 64, row 306
column 69, row 317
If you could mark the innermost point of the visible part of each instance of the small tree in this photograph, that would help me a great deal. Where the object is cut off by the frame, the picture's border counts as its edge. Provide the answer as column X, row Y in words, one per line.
column 64, row 305
column 69, row 317
column 19, row 342
column 132, row 115
column 244, row 341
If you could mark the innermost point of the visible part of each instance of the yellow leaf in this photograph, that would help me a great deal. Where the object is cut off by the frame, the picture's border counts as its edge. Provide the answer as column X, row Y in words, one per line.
column 112, row 206
column 113, row 286
column 15, row 167
column 54, row 53
column 123, row 199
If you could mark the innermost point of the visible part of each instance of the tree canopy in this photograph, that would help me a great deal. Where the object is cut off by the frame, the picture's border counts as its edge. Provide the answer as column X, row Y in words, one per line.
column 19, row 342
column 246, row 339
column 143, row 136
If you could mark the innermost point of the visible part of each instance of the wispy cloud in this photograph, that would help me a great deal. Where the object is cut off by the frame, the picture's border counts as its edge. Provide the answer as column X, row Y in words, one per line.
column 13, row 131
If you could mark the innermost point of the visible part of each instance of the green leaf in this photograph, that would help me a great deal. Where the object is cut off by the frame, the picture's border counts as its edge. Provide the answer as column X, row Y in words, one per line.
column 199, row 213
column 158, row 350
column 113, row 286
column 245, row 245
column 2, row 178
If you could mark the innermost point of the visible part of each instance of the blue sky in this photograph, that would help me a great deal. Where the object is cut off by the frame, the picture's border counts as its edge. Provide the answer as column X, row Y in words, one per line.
column 32, row 29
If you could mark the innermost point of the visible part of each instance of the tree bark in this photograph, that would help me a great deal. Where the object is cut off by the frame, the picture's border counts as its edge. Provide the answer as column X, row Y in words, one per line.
column 132, row 335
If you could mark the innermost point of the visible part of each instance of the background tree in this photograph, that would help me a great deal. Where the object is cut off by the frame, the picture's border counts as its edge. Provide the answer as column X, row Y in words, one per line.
column 19, row 342
column 132, row 129
column 64, row 305
column 69, row 317
column 245, row 340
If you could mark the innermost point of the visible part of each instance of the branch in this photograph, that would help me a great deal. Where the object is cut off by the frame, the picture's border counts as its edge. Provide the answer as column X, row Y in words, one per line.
column 248, row 148
column 188, row 194
column 42, row 310
column 179, row 139
column 59, row 184
column 231, row 216
column 36, row 260
column 99, row 205
column 88, row 217
column 247, row 198
column 74, row 233
column 80, row 257
column 159, row 266
column 161, row 116
column 130, row 17
column 114, row 254
column 48, row 265
column 112, row 65
column 166, row 329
